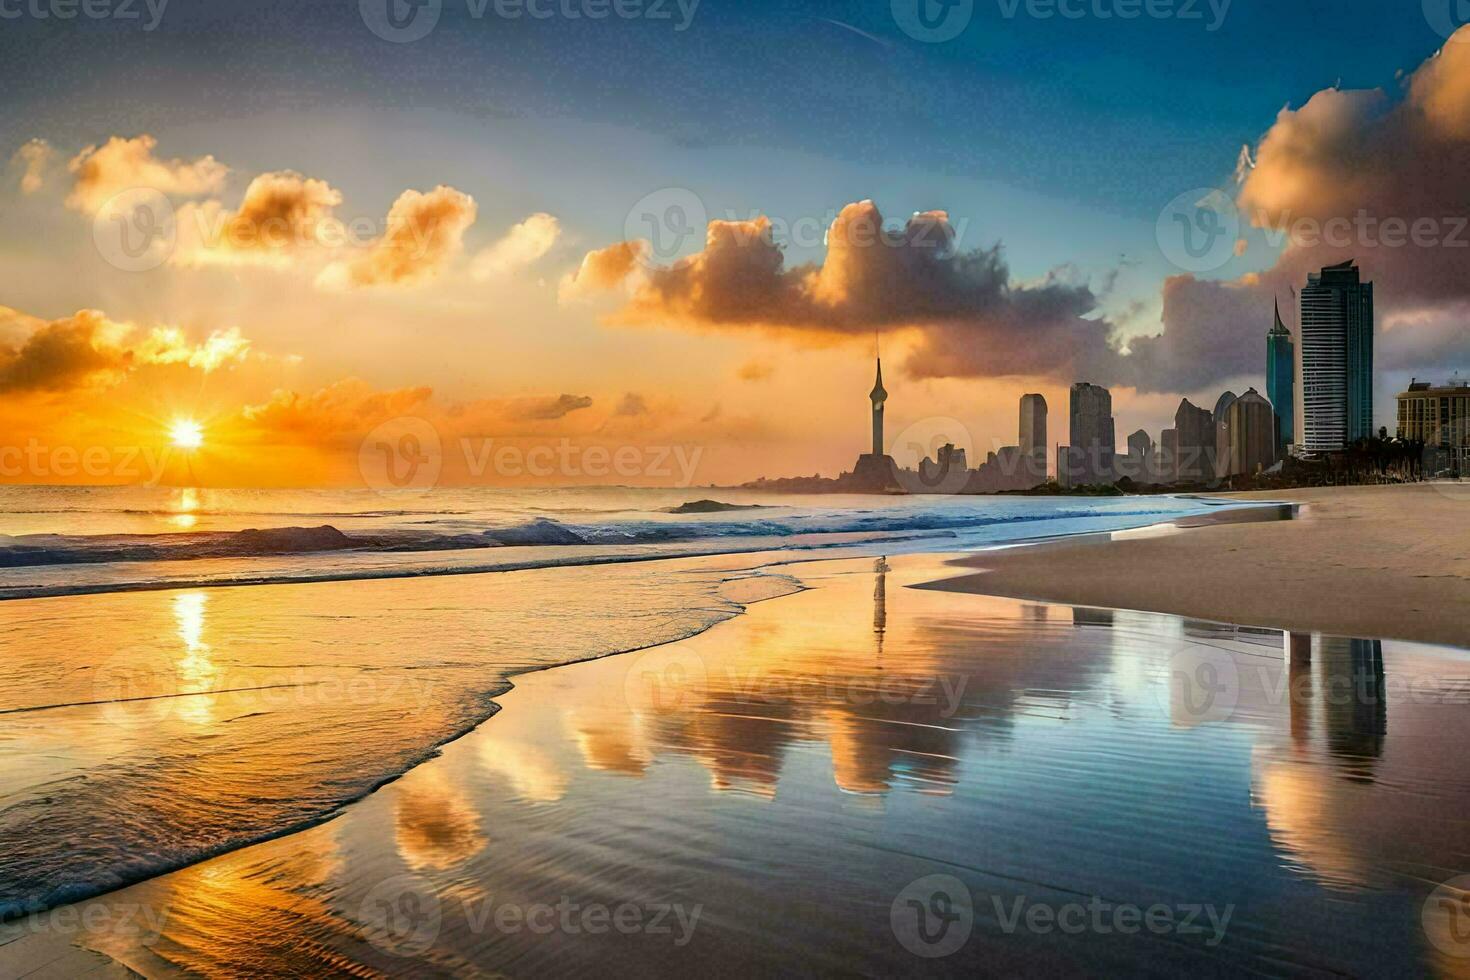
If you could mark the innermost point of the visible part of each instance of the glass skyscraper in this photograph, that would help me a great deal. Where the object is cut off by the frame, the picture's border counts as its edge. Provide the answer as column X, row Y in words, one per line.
column 1281, row 381
column 1337, row 359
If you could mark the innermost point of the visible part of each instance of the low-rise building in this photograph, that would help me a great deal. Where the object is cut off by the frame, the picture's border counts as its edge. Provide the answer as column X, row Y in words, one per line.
column 1439, row 417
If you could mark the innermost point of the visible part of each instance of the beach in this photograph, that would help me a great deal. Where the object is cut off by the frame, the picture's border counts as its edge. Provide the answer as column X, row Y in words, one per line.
column 830, row 758
column 1366, row 561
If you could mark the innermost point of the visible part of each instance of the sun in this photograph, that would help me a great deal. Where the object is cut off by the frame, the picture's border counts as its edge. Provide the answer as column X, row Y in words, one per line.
column 186, row 434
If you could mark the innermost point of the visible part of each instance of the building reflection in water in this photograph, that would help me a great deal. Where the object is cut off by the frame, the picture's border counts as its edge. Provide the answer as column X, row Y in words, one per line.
column 602, row 776
column 1337, row 687
column 880, row 601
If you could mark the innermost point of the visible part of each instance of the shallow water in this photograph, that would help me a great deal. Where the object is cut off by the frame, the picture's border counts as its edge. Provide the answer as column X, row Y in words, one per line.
column 140, row 732
column 1097, row 791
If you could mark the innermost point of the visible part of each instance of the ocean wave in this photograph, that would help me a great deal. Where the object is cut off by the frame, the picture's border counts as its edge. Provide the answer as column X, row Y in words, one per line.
column 61, row 549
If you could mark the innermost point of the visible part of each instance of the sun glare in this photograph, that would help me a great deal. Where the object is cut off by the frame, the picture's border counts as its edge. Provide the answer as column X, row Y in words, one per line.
column 186, row 434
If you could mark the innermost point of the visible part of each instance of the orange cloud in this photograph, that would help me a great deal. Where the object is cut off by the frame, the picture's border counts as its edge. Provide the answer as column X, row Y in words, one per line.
column 970, row 318
column 280, row 214
column 89, row 350
column 334, row 414
column 67, row 353
column 424, row 233
column 522, row 245
column 123, row 164
column 605, row 268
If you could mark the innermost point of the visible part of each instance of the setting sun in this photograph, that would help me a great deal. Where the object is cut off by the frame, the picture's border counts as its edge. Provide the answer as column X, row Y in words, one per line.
column 186, row 434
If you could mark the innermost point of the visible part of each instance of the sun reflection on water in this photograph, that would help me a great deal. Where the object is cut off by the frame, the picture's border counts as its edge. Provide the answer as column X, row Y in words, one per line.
column 196, row 668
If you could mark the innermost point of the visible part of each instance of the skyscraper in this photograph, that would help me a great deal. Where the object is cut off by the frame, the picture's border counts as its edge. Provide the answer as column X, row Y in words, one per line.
column 1281, row 381
column 1194, row 443
column 1033, row 434
column 1222, row 429
column 1092, row 432
column 1252, row 429
column 1140, row 457
column 1337, row 358
column 1166, row 465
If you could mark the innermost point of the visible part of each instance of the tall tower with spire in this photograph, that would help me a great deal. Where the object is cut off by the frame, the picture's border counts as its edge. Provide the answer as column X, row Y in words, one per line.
column 1281, row 381
column 878, row 396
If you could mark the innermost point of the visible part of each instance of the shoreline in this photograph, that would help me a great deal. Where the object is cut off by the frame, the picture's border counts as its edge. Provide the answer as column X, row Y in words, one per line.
column 769, row 570
column 1359, row 561
column 582, row 759
column 1053, row 551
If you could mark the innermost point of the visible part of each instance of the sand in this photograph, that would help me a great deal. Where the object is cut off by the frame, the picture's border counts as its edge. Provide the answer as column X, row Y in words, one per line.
column 1358, row 561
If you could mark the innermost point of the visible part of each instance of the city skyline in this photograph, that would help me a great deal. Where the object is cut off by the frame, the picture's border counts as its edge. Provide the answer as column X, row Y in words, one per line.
column 324, row 274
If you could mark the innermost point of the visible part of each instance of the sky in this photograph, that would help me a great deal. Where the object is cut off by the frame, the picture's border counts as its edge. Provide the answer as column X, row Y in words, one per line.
column 494, row 218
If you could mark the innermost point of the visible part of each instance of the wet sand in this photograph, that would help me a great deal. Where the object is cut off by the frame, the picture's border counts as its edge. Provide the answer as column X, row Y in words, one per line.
column 1362, row 561
column 865, row 777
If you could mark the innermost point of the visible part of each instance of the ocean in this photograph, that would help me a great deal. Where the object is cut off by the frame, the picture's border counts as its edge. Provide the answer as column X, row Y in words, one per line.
column 191, row 671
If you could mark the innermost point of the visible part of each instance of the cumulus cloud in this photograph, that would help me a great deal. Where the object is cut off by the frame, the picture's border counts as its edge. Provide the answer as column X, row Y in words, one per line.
column 63, row 354
column 970, row 317
column 100, row 173
column 32, row 159
column 337, row 413
column 281, row 214
column 605, row 268
column 424, row 233
column 522, row 245
column 1358, row 175
column 89, row 350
